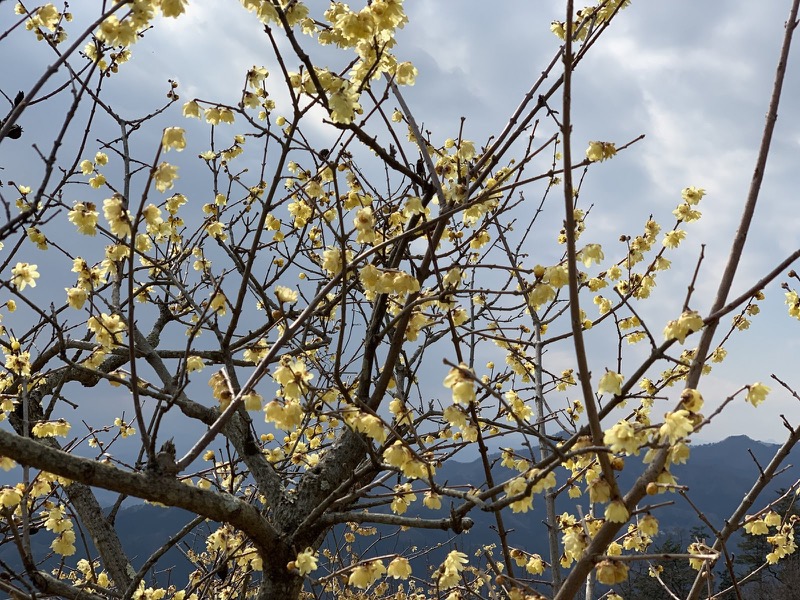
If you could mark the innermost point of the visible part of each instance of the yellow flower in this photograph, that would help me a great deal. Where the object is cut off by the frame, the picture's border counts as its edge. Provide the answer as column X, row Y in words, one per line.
column 116, row 252
column 432, row 500
column 756, row 527
column 623, row 437
column 256, row 75
column 194, row 363
column 691, row 400
column 97, row 181
column 592, row 253
column 517, row 486
column 360, row 577
column 541, row 294
column 399, row 568
column 306, row 561
column 599, row 490
column 218, row 303
column 164, row 176
column 64, row 544
column 125, row 430
column 116, row 32
column 51, row 428
column 191, row 109
column 256, row 353
column 403, row 498
column 535, row 565
column 405, row 73
column 610, row 572
column 285, row 416
column 596, row 284
column 173, row 139
column 396, row 454
column 648, row 525
column 793, row 301
column 344, row 104
column 557, row 276
column 76, row 297
column 677, row 425
column 616, row 512
column 119, row 219
column 450, row 571
column 692, row 195
column 772, row 519
column 698, row 548
column 293, row 376
column 686, row 213
column 689, row 322
column 372, row 426
column 757, row 393
column 45, row 16
column 301, row 212
column 212, row 115
column 106, row 329
column 673, row 238
column 600, row 151
column 365, row 225
column 84, row 217
column 24, row 275
column 610, row 383
column 286, row 294
column 10, row 497
column 462, row 385
column 173, row 8
column 557, row 27
column 143, row 243
column 332, row 260
column 226, row 115
column 216, row 230
column 18, row 361
column 603, row 304
column 253, row 401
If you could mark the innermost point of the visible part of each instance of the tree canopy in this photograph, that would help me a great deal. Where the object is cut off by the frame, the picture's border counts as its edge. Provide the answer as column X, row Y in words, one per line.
column 286, row 310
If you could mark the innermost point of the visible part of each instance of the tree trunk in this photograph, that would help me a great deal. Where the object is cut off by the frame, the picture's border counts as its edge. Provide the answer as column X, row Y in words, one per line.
column 285, row 588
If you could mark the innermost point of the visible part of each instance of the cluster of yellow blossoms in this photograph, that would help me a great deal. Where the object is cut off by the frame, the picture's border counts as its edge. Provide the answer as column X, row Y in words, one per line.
column 461, row 383
column 532, row 483
column 782, row 540
column 107, row 330
column 533, row 563
column 689, row 322
column 400, row 456
column 369, row 32
column 587, row 18
column 59, row 523
column 18, row 361
column 453, row 565
column 235, row 545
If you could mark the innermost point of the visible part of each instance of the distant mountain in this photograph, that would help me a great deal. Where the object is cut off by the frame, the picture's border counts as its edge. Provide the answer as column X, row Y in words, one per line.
column 718, row 476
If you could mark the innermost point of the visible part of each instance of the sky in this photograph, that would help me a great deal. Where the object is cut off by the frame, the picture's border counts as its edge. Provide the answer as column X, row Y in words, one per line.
column 693, row 77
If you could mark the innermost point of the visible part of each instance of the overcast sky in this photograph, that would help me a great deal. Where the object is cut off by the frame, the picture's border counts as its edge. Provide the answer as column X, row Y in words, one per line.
column 693, row 76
